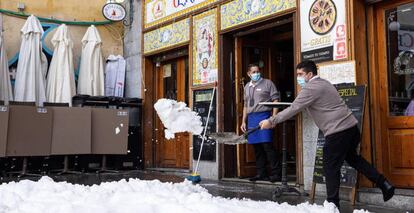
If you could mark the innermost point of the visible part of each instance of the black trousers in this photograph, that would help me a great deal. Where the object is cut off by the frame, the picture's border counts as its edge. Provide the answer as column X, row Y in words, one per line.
column 264, row 152
column 339, row 147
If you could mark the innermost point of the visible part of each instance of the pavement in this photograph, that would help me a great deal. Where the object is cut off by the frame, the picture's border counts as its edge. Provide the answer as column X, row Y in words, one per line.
column 228, row 188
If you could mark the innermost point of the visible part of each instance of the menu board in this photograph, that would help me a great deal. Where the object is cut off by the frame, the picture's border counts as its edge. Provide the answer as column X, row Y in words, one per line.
column 201, row 105
column 338, row 72
column 354, row 97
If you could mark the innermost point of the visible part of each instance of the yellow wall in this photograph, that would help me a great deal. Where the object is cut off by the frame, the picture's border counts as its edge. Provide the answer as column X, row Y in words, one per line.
column 79, row 10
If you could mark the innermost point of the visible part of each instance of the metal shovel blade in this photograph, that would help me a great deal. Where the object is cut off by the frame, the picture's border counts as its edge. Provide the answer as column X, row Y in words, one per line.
column 229, row 138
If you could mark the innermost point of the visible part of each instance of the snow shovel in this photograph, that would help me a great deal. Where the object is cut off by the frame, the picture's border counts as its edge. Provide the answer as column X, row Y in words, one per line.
column 232, row 138
column 195, row 177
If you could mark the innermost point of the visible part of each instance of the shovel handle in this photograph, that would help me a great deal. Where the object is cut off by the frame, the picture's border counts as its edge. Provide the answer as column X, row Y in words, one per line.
column 251, row 130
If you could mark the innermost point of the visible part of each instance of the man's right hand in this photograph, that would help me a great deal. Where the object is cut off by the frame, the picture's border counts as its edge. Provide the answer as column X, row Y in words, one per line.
column 243, row 127
column 265, row 124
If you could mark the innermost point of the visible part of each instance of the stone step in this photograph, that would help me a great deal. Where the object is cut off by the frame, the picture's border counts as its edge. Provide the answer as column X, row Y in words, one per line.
column 403, row 198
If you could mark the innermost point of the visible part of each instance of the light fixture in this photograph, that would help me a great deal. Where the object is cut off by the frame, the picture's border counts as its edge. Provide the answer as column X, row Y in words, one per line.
column 394, row 26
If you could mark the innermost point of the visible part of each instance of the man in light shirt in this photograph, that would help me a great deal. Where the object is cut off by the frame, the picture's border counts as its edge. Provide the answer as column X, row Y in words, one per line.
column 339, row 126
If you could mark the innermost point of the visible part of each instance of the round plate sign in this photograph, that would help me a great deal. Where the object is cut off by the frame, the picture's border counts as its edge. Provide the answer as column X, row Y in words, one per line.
column 322, row 16
column 113, row 12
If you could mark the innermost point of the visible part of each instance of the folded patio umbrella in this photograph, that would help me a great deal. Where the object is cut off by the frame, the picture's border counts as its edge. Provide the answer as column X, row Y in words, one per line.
column 61, row 77
column 115, row 76
column 91, row 73
column 6, row 93
column 32, row 65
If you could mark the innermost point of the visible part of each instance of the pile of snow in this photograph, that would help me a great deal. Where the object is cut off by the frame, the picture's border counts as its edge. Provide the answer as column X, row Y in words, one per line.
column 133, row 195
column 177, row 117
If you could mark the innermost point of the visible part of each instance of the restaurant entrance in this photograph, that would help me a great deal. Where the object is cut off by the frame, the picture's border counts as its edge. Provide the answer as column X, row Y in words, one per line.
column 271, row 46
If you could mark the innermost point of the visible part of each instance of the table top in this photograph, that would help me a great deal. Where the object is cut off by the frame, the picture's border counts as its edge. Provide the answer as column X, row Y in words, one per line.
column 276, row 104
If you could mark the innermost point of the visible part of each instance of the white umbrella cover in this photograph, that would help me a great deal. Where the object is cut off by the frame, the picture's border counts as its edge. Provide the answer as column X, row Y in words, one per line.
column 115, row 76
column 32, row 66
column 6, row 93
column 61, row 77
column 91, row 73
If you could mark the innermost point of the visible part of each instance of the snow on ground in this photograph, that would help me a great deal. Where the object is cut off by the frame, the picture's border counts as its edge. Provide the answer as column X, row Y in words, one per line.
column 133, row 195
column 177, row 117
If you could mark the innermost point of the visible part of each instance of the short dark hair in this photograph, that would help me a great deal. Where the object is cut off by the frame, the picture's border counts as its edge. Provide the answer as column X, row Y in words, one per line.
column 308, row 66
column 252, row 65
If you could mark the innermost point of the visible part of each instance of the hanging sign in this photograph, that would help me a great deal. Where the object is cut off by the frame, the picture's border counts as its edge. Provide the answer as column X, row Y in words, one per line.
column 114, row 12
column 323, row 30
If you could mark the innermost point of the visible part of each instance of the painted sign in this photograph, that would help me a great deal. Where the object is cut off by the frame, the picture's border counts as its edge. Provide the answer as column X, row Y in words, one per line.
column 205, row 50
column 243, row 11
column 405, row 40
column 337, row 73
column 113, row 12
column 164, row 37
column 158, row 11
column 323, row 30
column 354, row 98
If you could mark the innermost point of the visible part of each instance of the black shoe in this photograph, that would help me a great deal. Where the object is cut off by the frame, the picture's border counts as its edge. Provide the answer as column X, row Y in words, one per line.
column 275, row 178
column 386, row 187
column 259, row 177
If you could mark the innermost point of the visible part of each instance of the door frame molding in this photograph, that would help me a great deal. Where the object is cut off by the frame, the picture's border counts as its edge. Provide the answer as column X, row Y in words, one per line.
column 149, row 95
column 296, row 47
column 179, row 147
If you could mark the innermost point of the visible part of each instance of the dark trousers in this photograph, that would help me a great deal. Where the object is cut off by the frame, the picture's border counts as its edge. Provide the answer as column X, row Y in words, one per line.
column 264, row 152
column 339, row 147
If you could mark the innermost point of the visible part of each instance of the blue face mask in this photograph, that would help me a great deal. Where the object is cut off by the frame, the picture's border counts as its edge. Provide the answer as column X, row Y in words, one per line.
column 301, row 81
column 255, row 76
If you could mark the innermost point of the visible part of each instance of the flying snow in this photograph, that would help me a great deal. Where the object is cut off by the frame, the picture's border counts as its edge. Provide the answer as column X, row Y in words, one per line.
column 177, row 117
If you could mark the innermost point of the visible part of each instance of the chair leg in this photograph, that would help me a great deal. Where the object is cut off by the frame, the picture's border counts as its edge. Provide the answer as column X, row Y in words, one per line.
column 25, row 172
column 104, row 168
column 66, row 169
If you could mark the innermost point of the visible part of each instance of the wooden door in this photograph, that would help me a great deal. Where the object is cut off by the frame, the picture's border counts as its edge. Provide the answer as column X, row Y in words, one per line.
column 395, row 33
column 172, row 83
column 245, row 153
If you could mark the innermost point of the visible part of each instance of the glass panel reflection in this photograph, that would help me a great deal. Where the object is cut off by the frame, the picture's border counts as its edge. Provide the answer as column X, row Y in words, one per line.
column 400, row 58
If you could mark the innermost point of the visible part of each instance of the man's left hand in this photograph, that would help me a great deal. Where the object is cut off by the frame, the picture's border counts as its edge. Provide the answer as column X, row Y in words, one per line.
column 265, row 124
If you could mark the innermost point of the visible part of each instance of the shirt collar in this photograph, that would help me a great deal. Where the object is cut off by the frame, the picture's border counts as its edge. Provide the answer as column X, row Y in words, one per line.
column 251, row 84
column 314, row 77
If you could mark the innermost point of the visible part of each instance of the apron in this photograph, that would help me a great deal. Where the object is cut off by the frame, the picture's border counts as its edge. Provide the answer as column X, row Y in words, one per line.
column 259, row 136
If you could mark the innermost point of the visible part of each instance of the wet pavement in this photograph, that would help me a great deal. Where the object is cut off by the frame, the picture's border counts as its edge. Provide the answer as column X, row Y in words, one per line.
column 228, row 188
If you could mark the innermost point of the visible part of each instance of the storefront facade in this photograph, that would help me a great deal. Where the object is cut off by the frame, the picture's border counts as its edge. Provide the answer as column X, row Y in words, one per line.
column 189, row 45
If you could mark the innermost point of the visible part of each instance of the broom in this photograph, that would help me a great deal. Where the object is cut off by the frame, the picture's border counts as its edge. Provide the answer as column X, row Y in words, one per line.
column 195, row 177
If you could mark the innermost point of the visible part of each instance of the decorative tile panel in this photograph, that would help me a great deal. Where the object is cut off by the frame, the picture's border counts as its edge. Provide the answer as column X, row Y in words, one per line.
column 164, row 37
column 205, row 50
column 243, row 11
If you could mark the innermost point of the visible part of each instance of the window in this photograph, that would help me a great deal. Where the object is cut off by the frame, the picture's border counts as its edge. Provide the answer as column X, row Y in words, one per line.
column 400, row 59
